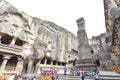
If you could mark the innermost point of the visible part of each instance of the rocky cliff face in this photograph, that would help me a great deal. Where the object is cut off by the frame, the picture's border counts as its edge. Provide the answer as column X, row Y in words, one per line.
column 41, row 38
column 112, row 20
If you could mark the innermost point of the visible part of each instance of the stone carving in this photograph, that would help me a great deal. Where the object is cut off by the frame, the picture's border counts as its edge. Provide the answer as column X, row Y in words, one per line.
column 83, row 47
column 115, row 42
column 113, row 8
column 109, row 64
column 39, row 48
column 86, row 61
column 37, row 39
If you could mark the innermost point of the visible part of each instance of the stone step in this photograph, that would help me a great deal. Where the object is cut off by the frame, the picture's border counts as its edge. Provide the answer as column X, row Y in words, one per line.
column 62, row 77
column 109, row 75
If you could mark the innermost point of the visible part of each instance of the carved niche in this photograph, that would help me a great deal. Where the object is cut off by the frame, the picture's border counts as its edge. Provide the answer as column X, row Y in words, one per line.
column 116, row 37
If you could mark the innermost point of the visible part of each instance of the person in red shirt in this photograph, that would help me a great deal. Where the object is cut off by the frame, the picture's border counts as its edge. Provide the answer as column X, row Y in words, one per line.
column 82, row 73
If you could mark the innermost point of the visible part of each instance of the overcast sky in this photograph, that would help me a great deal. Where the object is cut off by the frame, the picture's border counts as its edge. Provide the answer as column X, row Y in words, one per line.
column 65, row 13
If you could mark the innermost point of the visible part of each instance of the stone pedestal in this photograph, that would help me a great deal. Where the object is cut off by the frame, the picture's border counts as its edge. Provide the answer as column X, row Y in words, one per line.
column 86, row 65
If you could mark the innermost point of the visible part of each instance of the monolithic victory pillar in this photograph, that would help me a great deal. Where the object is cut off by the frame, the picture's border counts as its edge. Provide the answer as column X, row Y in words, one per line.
column 83, row 46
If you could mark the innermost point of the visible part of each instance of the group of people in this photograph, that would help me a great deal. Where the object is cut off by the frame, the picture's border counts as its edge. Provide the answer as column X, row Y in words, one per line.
column 54, row 73
column 81, row 73
column 72, row 72
column 94, row 73
column 15, row 77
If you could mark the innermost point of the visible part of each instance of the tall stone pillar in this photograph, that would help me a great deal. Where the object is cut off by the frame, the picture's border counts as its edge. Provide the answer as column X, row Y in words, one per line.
column 85, row 56
column 30, row 66
column 19, row 66
column 83, row 46
column 4, row 62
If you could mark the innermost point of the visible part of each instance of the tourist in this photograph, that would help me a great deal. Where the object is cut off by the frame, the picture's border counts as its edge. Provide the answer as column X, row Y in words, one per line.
column 34, row 78
column 72, row 71
column 94, row 72
column 52, row 77
column 11, row 77
column 25, row 78
column 65, row 70
column 19, row 78
column 41, row 70
column 82, row 74
column 52, row 70
column 56, row 75
column 96, row 77
column 91, row 73
column 77, row 73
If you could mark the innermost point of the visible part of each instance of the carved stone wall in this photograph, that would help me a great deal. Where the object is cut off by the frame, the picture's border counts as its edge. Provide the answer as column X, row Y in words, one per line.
column 100, row 49
column 112, row 8
column 40, row 39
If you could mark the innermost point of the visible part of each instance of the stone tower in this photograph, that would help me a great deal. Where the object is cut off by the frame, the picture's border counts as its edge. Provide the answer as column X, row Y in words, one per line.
column 83, row 46
column 85, row 61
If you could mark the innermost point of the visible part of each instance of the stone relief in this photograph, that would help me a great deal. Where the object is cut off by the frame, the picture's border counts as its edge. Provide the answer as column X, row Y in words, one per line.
column 34, row 40
column 115, row 42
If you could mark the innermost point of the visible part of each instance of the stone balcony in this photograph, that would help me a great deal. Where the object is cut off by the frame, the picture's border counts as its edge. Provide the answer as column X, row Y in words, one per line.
column 12, row 49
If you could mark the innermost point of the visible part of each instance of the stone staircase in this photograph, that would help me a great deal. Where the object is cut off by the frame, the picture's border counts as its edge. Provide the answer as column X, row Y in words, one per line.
column 67, row 77
column 109, row 75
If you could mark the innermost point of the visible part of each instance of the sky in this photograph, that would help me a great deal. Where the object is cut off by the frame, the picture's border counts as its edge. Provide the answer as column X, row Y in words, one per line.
column 65, row 13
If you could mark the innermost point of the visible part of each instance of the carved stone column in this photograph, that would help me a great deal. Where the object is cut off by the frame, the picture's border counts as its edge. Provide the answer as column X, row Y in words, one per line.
column 13, row 41
column 37, row 67
column 30, row 66
column 4, row 62
column 51, row 62
column 40, row 61
column 45, row 61
column 19, row 66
